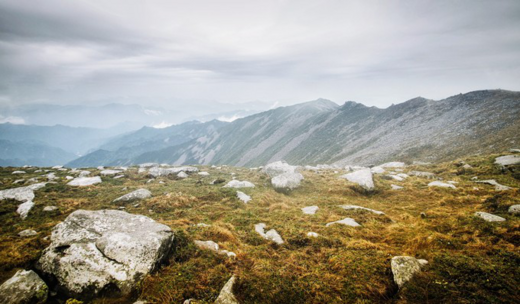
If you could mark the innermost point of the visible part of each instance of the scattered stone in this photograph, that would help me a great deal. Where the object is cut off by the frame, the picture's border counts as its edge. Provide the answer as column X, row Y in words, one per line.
column 19, row 172
column 423, row 215
column 488, row 217
column 84, row 173
column 85, row 181
column 361, row 177
column 158, row 171
column 182, row 174
column 354, row 207
column 57, row 167
column 239, row 184
column 202, row 225
column 226, row 295
column 310, row 209
column 210, row 245
column 514, row 209
column 204, row 173
column 405, row 267
column 277, row 168
column 271, row 235
column 243, row 197
column 312, row 234
column 101, row 168
column 346, row 221
column 23, row 209
column 396, row 177
column 93, row 250
column 507, row 160
column 68, row 177
column 393, row 165
column 27, row 233
column 377, row 170
column 138, row 194
column 395, row 187
column 119, row 176
column 25, row 287
column 51, row 176
column 514, row 150
column 50, row 208
column 441, row 184
column 422, row 174
column 287, row 181
column 467, row 166
column 498, row 187
column 110, row 172
column 21, row 194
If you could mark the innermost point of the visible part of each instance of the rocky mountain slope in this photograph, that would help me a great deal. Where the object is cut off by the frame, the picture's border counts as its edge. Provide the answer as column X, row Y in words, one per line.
column 321, row 132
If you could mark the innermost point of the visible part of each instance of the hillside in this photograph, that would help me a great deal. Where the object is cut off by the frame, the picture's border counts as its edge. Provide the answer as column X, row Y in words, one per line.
column 321, row 132
column 17, row 154
column 469, row 260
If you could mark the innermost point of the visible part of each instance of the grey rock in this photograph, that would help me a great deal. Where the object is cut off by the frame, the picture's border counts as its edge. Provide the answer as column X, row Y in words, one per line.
column 422, row 174
column 488, row 217
column 271, row 235
column 346, row 221
column 25, row 287
column 239, row 184
column 27, row 233
column 92, row 250
column 361, row 177
column 441, row 185
column 226, row 295
column 287, row 181
column 507, row 160
column 514, row 209
column 110, row 172
column 138, row 194
column 354, row 207
column 395, row 187
column 277, row 168
column 243, row 197
column 405, row 267
column 310, row 209
column 498, row 187
column 85, row 181
column 50, row 208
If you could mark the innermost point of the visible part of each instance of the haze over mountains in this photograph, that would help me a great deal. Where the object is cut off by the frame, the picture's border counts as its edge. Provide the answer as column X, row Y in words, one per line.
column 314, row 132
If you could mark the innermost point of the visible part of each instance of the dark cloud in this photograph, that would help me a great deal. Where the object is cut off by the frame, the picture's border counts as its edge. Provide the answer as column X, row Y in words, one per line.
column 164, row 52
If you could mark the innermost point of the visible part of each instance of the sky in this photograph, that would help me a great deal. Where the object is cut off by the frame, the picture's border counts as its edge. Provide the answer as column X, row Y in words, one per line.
column 173, row 53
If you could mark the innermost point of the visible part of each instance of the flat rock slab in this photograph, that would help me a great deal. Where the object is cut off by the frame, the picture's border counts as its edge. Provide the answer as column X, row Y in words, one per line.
column 23, row 288
column 354, row 207
column 310, row 209
column 404, row 268
column 138, row 194
column 93, row 250
column 498, row 187
column 393, row 165
column 21, row 194
column 488, row 217
column 441, row 185
column 243, row 197
column 507, row 160
column 346, row 221
column 239, row 184
column 271, row 235
column 85, row 181
column 361, row 177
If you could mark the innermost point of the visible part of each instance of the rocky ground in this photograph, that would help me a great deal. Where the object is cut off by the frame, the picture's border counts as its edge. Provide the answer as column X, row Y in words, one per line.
column 401, row 233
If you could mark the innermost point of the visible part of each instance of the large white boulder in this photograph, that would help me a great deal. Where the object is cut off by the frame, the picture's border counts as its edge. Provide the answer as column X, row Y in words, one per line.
column 239, row 184
column 25, row 287
column 85, row 181
column 287, row 181
column 94, row 250
column 277, row 168
column 361, row 177
column 405, row 267
column 138, row 194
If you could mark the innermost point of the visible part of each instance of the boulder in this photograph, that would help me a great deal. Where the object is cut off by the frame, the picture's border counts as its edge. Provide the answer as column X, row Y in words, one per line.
column 361, row 177
column 85, row 181
column 23, row 209
column 271, row 235
column 158, row 171
column 182, row 174
column 310, row 209
column 405, row 267
column 239, row 184
column 287, row 181
column 354, row 207
column 243, row 197
column 21, row 194
column 346, row 221
column 514, row 209
column 441, row 184
column 488, row 217
column 25, row 287
column 277, row 168
column 110, row 172
column 507, row 160
column 226, row 295
column 138, row 194
column 92, row 251
column 84, row 173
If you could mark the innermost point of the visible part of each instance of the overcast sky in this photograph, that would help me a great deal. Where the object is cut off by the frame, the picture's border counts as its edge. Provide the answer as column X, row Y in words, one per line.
column 166, row 53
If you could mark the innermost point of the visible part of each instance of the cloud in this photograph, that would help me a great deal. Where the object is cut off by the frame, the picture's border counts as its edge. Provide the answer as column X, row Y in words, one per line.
column 15, row 120
column 164, row 53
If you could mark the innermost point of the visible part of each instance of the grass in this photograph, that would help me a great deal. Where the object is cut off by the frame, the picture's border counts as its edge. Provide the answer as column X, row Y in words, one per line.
column 470, row 261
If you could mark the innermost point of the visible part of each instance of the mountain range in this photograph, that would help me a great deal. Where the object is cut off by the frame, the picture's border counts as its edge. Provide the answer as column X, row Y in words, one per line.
column 320, row 131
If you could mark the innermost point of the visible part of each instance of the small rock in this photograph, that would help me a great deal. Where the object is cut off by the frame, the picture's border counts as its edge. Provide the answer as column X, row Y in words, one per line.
column 239, row 184
column 23, row 288
column 354, row 207
column 488, row 217
column 23, row 209
column 243, row 197
column 498, row 187
column 310, row 209
column 423, row 215
column 441, row 184
column 138, row 194
column 226, row 295
column 27, row 233
column 395, row 187
column 312, row 234
column 514, row 209
column 19, row 172
column 271, row 235
column 85, row 181
column 346, row 221
column 50, row 208
column 204, row 173
column 405, row 267
column 182, row 174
